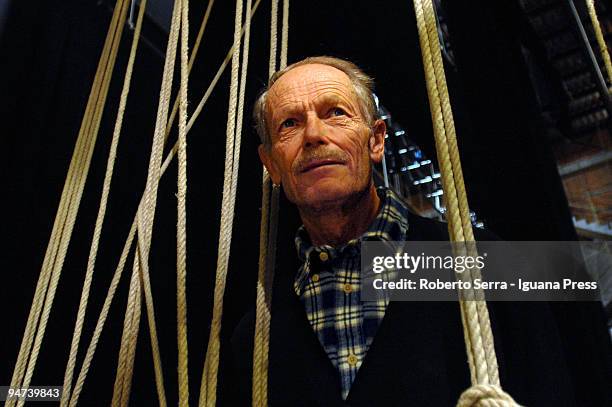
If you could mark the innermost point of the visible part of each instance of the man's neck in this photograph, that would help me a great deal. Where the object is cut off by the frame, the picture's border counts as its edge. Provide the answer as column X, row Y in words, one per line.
column 337, row 225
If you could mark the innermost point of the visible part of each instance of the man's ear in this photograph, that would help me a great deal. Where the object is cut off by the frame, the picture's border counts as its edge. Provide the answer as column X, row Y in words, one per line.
column 266, row 159
column 376, row 143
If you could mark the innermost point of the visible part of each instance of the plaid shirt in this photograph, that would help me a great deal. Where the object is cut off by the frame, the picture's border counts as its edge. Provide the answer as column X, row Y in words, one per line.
column 329, row 284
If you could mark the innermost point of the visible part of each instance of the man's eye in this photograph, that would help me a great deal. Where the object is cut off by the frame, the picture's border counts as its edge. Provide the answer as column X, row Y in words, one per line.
column 336, row 111
column 288, row 123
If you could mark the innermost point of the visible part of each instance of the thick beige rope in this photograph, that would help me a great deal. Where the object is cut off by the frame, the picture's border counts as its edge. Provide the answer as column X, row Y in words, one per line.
column 601, row 41
column 78, row 387
column 145, row 218
column 66, row 214
column 213, row 83
column 477, row 329
column 272, row 58
column 262, row 305
column 72, row 182
column 112, row 288
column 478, row 319
column 267, row 236
column 116, row 277
column 181, row 224
column 284, row 35
column 68, row 375
column 453, row 216
column 485, row 395
column 129, row 337
column 469, row 311
column 208, row 388
column 119, row 270
column 194, row 53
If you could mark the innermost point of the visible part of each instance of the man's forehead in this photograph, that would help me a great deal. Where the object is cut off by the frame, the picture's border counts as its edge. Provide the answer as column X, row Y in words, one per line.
column 308, row 77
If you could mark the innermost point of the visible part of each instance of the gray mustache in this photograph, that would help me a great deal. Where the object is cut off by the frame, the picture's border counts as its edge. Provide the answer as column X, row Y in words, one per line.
column 316, row 155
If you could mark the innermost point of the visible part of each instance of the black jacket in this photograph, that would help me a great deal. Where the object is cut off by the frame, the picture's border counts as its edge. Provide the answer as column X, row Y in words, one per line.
column 418, row 356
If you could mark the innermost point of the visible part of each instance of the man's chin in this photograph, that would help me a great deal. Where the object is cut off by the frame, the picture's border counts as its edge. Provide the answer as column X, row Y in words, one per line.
column 324, row 197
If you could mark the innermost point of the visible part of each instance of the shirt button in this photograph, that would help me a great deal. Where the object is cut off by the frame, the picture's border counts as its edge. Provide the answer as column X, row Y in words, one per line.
column 352, row 359
column 348, row 288
column 323, row 256
column 315, row 278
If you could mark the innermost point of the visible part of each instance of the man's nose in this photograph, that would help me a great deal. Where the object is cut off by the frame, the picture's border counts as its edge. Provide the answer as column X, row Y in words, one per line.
column 314, row 132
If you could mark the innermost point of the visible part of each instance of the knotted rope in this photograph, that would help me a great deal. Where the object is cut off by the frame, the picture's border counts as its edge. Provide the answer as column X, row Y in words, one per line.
column 474, row 314
column 485, row 395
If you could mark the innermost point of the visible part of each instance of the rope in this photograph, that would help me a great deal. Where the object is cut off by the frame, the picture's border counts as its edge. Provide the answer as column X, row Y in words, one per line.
column 267, row 236
column 477, row 330
column 601, row 41
column 78, row 387
column 213, row 83
column 181, row 225
column 145, row 218
column 478, row 319
column 67, row 210
column 68, row 375
column 273, row 38
column 483, row 395
column 194, row 53
column 119, row 270
column 208, row 388
column 129, row 337
column 262, row 306
column 285, row 35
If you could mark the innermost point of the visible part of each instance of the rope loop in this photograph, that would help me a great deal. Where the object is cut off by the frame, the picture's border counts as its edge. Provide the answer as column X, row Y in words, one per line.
column 485, row 395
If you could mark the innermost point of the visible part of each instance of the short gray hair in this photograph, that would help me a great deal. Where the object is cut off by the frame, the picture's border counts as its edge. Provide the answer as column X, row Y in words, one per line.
column 362, row 84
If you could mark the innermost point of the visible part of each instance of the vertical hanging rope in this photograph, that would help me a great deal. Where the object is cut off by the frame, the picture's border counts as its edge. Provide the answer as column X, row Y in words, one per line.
column 194, row 53
column 267, row 235
column 129, row 338
column 78, row 387
column 82, row 156
column 68, row 375
column 272, row 58
column 477, row 314
column 128, row 243
column 67, row 210
column 181, row 225
column 263, row 302
column 263, row 305
column 285, row 35
column 482, row 360
column 601, row 41
column 208, row 389
column 145, row 217
column 213, row 83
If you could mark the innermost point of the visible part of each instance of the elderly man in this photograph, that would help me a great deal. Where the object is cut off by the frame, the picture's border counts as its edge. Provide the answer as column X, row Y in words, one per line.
column 320, row 137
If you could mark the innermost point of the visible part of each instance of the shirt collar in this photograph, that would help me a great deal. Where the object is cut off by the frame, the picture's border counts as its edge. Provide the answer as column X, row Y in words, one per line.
column 391, row 224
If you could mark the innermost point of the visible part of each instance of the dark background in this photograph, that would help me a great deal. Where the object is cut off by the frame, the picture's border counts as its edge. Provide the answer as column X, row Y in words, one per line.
column 48, row 55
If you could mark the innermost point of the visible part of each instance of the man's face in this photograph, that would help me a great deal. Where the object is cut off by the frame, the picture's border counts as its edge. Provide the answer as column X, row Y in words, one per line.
column 322, row 147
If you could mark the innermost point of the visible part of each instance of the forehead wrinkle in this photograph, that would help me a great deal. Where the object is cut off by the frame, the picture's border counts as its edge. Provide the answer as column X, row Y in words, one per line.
column 300, row 95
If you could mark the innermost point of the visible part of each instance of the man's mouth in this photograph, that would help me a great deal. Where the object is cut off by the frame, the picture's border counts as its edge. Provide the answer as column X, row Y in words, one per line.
column 320, row 163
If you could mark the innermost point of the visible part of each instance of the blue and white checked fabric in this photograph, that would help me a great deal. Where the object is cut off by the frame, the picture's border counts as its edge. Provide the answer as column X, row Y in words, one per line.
column 329, row 285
